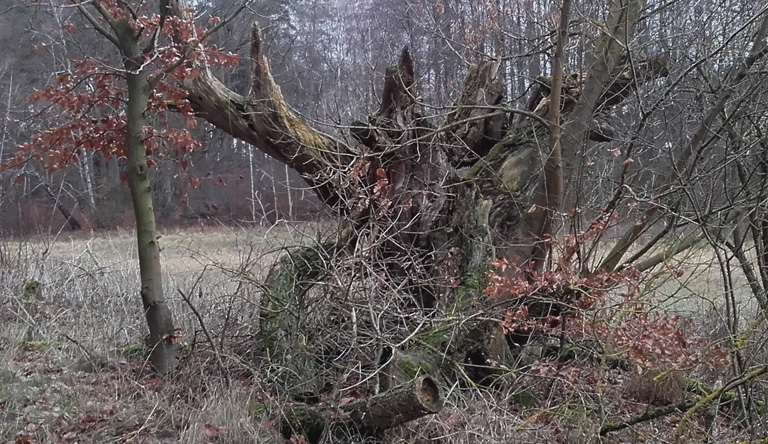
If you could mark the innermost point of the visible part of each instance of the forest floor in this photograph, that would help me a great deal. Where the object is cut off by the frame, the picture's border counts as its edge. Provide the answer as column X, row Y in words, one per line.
column 73, row 370
column 72, row 364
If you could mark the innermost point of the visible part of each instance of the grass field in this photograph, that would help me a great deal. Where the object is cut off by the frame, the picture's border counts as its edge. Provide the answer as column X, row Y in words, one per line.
column 70, row 369
column 73, row 371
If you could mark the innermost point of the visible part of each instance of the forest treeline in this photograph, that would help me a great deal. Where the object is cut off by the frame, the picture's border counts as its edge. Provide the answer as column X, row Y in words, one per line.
column 329, row 59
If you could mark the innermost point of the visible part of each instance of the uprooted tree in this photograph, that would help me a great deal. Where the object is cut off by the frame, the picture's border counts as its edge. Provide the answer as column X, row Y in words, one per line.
column 429, row 204
column 426, row 206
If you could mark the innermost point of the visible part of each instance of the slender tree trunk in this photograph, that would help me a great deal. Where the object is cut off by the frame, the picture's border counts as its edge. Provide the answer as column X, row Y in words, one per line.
column 289, row 193
column 84, row 162
column 551, row 195
column 159, row 320
column 253, row 186
column 275, row 199
column 7, row 118
column 56, row 200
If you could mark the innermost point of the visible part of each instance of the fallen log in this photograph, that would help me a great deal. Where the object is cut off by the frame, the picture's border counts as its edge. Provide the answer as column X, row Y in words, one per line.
column 366, row 417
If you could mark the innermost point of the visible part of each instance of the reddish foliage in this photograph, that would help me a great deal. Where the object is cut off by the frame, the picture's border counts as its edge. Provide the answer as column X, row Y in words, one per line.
column 607, row 307
column 90, row 98
column 650, row 338
column 381, row 191
column 212, row 431
column 380, row 195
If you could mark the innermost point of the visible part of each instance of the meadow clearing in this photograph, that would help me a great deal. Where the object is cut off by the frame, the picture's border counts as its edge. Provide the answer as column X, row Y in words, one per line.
column 69, row 358
column 72, row 356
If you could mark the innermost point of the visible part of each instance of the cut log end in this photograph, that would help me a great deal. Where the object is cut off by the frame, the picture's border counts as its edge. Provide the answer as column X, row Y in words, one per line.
column 367, row 417
column 410, row 401
column 429, row 395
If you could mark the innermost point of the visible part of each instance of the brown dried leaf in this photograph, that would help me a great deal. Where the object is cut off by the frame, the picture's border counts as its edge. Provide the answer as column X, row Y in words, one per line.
column 299, row 439
column 212, row 431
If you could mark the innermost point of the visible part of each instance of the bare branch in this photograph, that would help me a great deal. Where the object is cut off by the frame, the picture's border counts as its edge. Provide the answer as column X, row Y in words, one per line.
column 95, row 23
column 683, row 163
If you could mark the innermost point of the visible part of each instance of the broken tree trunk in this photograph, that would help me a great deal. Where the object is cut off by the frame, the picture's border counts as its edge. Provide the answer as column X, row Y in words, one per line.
column 263, row 119
column 430, row 206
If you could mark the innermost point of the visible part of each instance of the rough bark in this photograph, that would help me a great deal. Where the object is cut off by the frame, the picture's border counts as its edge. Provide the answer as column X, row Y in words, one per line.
column 602, row 87
column 263, row 119
column 424, row 190
column 402, row 404
column 475, row 133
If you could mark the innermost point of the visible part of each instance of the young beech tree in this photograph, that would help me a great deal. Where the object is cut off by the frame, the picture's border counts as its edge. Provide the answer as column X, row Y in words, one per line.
column 121, row 112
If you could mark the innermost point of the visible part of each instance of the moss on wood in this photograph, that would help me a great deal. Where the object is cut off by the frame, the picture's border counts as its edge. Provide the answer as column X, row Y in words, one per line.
column 32, row 291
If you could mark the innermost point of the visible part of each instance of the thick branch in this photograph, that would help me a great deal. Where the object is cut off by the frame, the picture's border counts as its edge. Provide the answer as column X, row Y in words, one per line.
column 511, row 173
column 600, row 88
column 669, row 252
column 283, row 135
column 730, row 385
column 482, row 93
column 95, row 23
column 264, row 120
column 647, row 416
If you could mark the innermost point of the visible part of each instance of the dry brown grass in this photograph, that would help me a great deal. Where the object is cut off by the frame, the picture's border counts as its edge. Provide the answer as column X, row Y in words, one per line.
column 71, row 372
column 658, row 387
